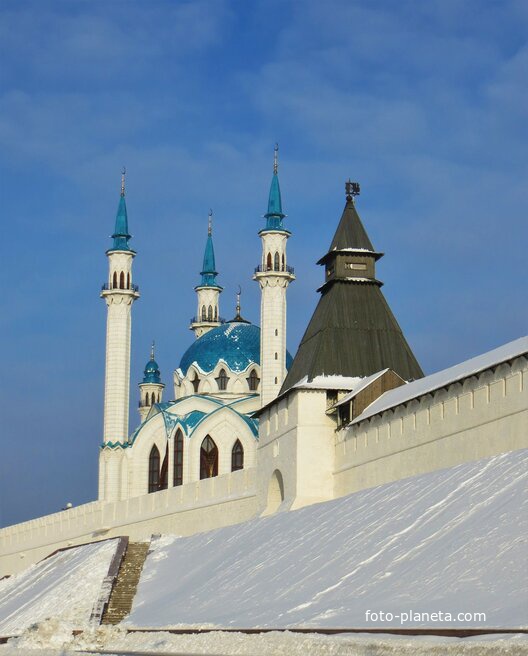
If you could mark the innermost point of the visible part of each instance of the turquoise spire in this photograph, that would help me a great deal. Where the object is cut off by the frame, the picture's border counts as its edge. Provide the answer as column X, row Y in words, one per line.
column 208, row 272
column 152, row 372
column 121, row 234
column 274, row 214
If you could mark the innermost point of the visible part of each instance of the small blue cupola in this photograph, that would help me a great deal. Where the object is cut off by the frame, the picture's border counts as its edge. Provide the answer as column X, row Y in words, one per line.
column 121, row 234
column 152, row 372
column 208, row 272
column 274, row 214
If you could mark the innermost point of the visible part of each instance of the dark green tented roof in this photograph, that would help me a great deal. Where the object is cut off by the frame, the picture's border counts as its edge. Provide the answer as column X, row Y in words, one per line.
column 352, row 333
column 350, row 232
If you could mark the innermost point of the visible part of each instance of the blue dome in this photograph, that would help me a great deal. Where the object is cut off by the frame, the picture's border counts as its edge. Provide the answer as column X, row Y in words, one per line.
column 237, row 344
column 152, row 372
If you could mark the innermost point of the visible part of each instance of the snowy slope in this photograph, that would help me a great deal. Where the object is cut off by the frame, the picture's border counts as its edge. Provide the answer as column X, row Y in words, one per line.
column 451, row 541
column 63, row 586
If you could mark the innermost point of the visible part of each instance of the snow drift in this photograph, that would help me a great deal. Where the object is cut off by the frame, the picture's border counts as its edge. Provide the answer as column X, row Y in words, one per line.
column 451, row 541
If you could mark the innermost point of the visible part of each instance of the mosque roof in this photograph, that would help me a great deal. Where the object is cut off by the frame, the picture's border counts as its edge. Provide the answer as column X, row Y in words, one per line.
column 237, row 344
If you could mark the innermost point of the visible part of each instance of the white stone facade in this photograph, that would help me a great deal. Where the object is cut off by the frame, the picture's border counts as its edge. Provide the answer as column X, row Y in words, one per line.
column 302, row 458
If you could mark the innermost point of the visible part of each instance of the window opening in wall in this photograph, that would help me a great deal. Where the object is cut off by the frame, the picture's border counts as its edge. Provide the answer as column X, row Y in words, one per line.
column 164, row 473
column 208, row 458
column 178, row 458
column 216, row 314
column 283, row 267
column 276, row 262
column 154, row 464
column 128, row 281
column 276, row 380
column 210, row 313
column 204, row 313
column 114, row 280
column 269, row 264
column 253, row 381
column 121, row 280
column 276, row 332
column 276, row 356
column 237, row 456
column 195, row 382
column 222, row 379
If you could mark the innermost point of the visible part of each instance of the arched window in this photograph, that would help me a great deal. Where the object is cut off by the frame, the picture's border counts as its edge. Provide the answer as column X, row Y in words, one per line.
column 237, row 456
column 283, row 267
column 178, row 458
column 128, row 281
column 121, row 280
column 276, row 332
column 216, row 314
column 154, row 470
column 164, row 473
column 276, row 262
column 222, row 380
column 152, row 399
column 253, row 381
column 269, row 265
column 208, row 458
column 210, row 313
column 276, row 356
column 204, row 313
column 195, row 382
column 114, row 280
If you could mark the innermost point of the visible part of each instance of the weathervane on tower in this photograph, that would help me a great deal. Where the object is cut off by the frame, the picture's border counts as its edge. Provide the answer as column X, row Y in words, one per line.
column 123, row 173
column 276, row 159
column 351, row 189
column 210, row 223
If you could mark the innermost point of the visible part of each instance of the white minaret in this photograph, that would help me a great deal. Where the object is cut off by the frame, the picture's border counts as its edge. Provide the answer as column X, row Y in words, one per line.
column 208, row 291
column 273, row 275
column 151, row 389
column 119, row 293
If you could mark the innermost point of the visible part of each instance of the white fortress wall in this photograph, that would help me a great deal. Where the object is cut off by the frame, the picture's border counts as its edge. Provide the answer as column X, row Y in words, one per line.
column 478, row 417
column 183, row 510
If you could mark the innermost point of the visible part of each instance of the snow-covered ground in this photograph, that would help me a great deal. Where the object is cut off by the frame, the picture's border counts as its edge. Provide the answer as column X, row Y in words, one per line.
column 452, row 541
column 64, row 586
column 55, row 639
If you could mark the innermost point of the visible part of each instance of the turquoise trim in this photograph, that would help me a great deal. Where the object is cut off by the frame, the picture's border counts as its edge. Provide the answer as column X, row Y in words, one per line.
column 152, row 372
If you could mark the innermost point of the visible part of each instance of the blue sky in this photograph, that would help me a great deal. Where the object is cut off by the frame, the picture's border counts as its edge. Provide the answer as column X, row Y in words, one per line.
column 424, row 103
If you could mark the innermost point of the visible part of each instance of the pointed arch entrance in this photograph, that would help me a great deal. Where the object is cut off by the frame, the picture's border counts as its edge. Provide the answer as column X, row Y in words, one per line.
column 275, row 492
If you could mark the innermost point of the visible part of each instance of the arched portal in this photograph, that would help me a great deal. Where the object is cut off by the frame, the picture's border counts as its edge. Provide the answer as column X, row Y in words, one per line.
column 275, row 492
column 208, row 458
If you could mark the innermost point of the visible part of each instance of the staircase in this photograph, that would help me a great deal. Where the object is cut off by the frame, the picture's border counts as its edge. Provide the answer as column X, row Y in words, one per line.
column 122, row 596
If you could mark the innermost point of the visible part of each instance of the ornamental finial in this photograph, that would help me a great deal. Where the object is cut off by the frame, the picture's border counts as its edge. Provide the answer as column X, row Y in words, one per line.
column 276, row 159
column 238, row 301
column 152, row 350
column 351, row 189
column 123, row 173
column 210, row 223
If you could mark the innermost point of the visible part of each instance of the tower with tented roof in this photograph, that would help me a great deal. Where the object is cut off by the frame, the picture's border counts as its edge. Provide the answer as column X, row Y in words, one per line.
column 151, row 388
column 353, row 331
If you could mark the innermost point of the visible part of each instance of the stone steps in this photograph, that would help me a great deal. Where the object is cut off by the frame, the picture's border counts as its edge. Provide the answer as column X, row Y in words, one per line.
column 124, row 591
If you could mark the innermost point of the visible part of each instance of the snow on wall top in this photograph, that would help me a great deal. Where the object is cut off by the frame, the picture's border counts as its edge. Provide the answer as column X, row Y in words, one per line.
column 63, row 586
column 450, row 541
column 445, row 377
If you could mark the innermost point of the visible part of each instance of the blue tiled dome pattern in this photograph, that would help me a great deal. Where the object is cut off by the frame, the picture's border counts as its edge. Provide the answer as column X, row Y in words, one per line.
column 237, row 344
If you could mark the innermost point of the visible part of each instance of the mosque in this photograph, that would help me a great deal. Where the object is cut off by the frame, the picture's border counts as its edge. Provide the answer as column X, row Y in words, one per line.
column 248, row 430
